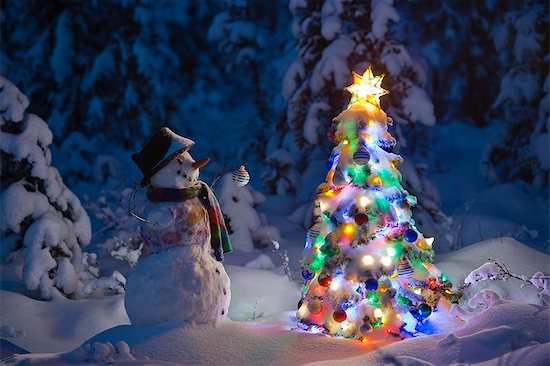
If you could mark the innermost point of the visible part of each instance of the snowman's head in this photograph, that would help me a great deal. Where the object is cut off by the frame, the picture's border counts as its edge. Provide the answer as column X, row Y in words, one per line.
column 181, row 172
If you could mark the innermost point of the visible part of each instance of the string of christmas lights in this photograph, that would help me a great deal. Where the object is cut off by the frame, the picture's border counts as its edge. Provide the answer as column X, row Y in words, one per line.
column 367, row 266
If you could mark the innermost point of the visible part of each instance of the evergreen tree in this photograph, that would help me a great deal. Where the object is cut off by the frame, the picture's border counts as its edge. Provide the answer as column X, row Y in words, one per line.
column 42, row 223
column 367, row 265
column 519, row 150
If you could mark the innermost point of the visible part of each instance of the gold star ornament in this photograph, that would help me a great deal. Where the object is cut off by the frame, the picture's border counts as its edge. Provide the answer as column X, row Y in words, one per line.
column 366, row 88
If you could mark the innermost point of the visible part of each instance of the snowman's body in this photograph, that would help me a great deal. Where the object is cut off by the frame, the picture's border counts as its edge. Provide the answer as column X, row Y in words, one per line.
column 180, row 279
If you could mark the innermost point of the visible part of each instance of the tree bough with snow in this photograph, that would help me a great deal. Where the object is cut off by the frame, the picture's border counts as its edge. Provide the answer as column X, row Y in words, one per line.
column 42, row 222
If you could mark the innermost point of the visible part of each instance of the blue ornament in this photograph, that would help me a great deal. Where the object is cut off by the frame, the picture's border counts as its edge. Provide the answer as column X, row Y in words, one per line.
column 332, row 160
column 361, row 156
column 410, row 235
column 404, row 269
column 424, row 310
column 371, row 284
column 307, row 274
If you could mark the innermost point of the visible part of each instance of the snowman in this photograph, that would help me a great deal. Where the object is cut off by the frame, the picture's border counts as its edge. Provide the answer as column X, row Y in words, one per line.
column 181, row 276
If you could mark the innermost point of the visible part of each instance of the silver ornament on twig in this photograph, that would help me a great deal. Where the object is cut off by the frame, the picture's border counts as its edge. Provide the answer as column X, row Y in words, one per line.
column 240, row 176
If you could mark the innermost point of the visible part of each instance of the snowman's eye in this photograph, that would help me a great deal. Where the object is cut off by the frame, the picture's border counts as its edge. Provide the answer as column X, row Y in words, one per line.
column 179, row 172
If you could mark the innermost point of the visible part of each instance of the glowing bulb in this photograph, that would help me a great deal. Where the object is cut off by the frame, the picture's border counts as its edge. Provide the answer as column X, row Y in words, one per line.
column 391, row 252
column 377, row 180
column 430, row 241
column 364, row 201
column 345, row 142
column 368, row 259
column 335, row 285
column 398, row 316
column 378, row 313
column 349, row 229
column 323, row 206
column 386, row 260
column 418, row 290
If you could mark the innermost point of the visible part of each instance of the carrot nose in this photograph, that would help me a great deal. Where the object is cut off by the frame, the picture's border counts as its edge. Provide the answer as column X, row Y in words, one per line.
column 200, row 163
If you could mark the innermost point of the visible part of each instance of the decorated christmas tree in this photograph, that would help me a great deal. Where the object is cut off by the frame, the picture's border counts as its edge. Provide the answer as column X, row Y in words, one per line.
column 367, row 266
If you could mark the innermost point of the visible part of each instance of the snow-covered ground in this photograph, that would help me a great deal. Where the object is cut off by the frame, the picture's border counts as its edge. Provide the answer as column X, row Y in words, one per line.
column 262, row 329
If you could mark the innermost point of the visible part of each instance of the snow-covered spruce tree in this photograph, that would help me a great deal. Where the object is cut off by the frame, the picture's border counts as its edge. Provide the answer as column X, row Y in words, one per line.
column 519, row 151
column 42, row 223
column 247, row 228
column 134, row 70
column 282, row 177
column 335, row 37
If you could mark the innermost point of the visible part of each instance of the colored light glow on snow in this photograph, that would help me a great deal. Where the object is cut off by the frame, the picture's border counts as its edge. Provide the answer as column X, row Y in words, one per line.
column 368, row 259
column 386, row 260
column 391, row 251
column 378, row 313
column 364, row 201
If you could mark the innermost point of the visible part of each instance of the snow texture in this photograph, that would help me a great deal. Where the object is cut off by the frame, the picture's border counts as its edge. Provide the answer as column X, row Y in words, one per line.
column 37, row 206
column 184, row 283
column 248, row 229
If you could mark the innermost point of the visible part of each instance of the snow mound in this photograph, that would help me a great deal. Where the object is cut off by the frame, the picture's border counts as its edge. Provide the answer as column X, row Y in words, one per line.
column 517, row 257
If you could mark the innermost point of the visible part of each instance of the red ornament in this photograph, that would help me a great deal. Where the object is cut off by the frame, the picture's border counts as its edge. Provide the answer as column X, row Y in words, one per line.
column 324, row 280
column 331, row 134
column 339, row 316
column 361, row 219
column 432, row 283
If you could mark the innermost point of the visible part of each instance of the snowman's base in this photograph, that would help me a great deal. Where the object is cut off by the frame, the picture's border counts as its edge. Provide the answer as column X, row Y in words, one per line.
column 183, row 284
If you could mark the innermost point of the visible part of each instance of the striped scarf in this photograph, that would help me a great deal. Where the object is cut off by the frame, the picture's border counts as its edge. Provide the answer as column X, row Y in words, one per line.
column 219, row 238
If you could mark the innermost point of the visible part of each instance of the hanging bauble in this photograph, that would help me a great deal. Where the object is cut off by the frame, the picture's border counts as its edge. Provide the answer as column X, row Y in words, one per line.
column 339, row 178
column 361, row 218
column 331, row 134
column 330, row 250
column 424, row 310
column 410, row 235
column 315, row 306
column 333, row 160
column 324, row 280
column 404, row 269
column 339, row 316
column 371, row 284
column 240, row 177
column 307, row 274
column 361, row 156
column 365, row 329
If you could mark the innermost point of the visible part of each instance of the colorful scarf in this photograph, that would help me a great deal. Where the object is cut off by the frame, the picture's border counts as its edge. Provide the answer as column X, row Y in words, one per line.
column 218, row 232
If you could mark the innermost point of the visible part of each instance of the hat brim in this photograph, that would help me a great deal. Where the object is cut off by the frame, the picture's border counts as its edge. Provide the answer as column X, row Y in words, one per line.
column 147, row 177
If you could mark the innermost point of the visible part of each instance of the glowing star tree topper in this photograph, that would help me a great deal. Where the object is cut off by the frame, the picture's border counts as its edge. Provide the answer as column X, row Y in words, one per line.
column 366, row 88
column 367, row 266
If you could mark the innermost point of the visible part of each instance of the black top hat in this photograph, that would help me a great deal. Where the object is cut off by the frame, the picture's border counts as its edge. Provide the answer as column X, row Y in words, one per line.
column 164, row 146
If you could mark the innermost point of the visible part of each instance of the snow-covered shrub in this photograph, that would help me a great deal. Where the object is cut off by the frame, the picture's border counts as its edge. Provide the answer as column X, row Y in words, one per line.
column 282, row 177
column 41, row 221
column 494, row 271
column 247, row 228
column 520, row 149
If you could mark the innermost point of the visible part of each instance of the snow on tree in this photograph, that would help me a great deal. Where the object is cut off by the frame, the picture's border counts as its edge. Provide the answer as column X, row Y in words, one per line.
column 282, row 178
column 247, row 228
column 366, row 264
column 519, row 151
column 42, row 222
column 334, row 38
